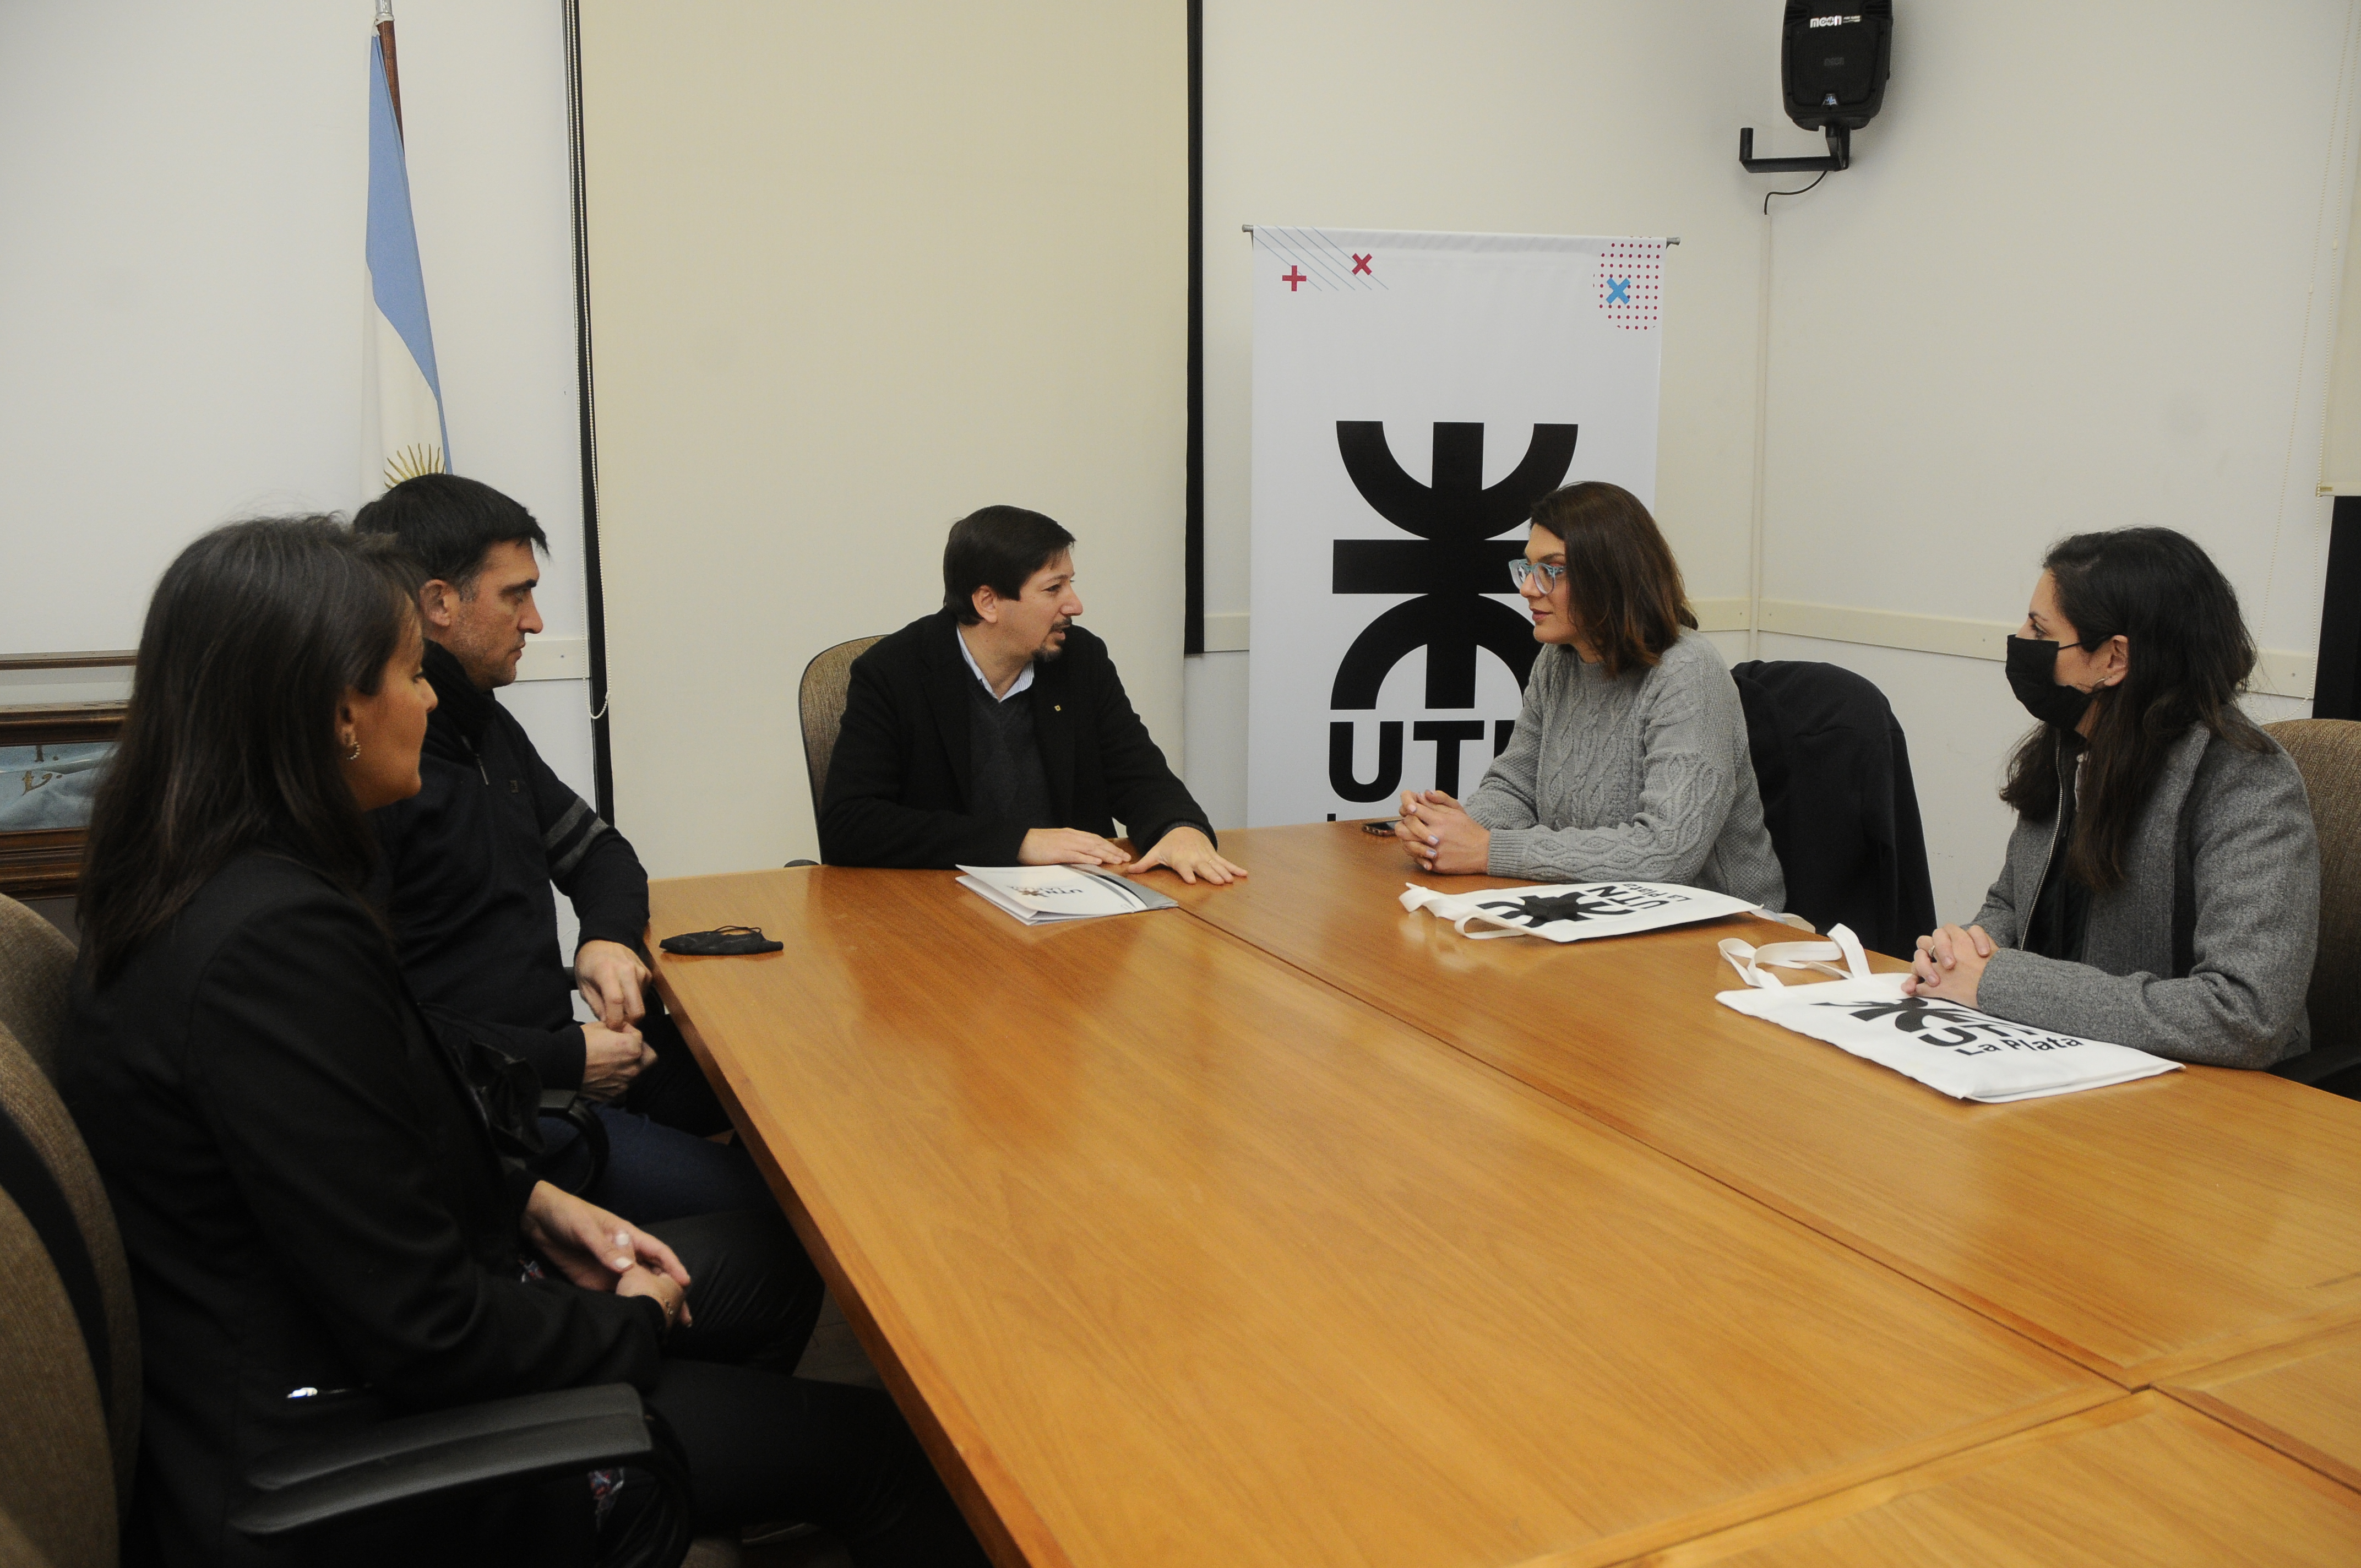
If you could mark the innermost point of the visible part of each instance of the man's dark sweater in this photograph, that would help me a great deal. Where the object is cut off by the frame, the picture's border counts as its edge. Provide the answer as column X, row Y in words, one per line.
column 1010, row 784
column 465, row 880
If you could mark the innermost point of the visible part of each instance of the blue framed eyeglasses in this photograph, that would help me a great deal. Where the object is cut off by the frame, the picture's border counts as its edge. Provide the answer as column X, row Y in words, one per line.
column 1521, row 572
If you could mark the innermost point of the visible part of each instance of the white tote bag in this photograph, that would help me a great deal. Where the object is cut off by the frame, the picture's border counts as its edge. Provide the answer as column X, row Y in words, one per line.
column 1965, row 1054
column 1574, row 912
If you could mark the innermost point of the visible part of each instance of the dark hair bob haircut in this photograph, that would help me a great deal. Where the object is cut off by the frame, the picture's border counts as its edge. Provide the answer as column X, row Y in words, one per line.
column 1626, row 590
column 253, row 637
column 449, row 524
column 998, row 548
column 2190, row 654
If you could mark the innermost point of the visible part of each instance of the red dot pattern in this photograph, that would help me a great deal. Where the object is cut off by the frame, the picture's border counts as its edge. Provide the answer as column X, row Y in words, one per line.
column 1641, row 262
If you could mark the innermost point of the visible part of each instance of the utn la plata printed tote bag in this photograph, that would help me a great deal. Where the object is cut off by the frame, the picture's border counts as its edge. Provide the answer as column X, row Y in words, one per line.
column 1574, row 912
column 1965, row 1054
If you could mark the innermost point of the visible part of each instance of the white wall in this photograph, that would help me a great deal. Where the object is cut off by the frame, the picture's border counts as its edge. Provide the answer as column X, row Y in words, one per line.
column 2069, row 283
column 180, row 290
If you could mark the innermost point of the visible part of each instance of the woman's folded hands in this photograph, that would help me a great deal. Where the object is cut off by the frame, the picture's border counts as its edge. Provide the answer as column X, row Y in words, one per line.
column 598, row 1251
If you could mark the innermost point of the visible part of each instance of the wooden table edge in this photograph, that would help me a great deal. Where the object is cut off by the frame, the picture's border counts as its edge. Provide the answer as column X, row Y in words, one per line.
column 1012, row 1533
column 1718, row 1544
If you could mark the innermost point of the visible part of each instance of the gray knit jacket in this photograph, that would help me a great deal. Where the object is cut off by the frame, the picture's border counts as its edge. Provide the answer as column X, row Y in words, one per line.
column 2252, row 869
column 1646, row 776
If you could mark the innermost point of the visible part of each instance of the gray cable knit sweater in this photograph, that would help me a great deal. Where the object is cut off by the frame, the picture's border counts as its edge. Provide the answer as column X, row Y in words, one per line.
column 1646, row 776
column 2253, row 870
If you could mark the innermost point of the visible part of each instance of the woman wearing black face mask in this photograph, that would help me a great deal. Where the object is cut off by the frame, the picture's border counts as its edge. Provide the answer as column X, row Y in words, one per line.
column 2162, row 887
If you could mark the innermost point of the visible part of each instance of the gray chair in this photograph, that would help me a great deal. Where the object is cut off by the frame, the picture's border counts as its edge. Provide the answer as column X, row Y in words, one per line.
column 821, row 696
column 2327, row 751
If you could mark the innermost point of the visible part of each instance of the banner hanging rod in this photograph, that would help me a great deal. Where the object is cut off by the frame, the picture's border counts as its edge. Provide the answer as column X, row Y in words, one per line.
column 1669, row 239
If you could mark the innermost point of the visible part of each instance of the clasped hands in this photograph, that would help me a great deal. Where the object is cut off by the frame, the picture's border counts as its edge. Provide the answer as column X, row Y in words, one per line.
column 597, row 1251
column 1949, row 964
column 1440, row 835
column 1183, row 849
column 613, row 981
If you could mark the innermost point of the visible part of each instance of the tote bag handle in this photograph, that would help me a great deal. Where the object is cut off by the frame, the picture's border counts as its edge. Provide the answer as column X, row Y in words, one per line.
column 1755, row 964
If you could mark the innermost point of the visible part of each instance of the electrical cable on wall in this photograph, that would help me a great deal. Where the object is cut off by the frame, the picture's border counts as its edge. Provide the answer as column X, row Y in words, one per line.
column 1797, row 191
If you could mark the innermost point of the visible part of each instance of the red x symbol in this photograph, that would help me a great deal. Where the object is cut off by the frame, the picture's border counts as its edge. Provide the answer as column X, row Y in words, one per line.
column 1292, row 277
column 1361, row 263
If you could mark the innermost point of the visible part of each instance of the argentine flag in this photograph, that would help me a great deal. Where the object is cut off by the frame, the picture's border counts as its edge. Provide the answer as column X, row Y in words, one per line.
column 402, row 432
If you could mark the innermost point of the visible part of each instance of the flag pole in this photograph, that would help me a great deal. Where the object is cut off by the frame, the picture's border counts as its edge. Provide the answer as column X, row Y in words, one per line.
column 392, row 77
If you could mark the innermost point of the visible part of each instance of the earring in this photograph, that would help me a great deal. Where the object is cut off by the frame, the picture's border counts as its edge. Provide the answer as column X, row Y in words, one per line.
column 352, row 749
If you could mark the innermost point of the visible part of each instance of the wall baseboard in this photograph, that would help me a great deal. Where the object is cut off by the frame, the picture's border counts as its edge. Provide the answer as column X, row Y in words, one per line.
column 2279, row 671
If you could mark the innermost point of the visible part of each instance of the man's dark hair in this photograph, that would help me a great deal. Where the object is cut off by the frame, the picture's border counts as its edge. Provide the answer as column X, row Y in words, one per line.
column 998, row 548
column 450, row 524
column 253, row 637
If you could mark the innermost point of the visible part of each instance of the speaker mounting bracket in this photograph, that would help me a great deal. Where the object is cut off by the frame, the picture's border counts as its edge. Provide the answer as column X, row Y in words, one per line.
column 1840, row 155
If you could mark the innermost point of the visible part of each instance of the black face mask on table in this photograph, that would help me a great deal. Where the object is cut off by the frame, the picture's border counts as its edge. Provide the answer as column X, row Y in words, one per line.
column 2033, row 676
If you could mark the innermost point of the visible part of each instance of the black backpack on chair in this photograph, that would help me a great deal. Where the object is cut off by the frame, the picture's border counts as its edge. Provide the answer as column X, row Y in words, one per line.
column 1834, row 773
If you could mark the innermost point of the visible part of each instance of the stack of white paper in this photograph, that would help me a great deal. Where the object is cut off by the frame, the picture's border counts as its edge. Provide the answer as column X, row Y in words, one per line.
column 1041, row 894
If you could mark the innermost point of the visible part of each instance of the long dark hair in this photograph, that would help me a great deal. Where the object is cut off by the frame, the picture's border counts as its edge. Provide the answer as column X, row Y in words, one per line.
column 2190, row 654
column 1626, row 587
column 253, row 637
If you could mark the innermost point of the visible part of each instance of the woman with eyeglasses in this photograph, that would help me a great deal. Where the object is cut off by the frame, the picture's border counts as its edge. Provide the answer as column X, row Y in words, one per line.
column 2162, row 889
column 1629, row 758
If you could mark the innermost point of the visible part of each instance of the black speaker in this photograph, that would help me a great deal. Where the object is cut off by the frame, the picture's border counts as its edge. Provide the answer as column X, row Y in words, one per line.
column 1833, row 61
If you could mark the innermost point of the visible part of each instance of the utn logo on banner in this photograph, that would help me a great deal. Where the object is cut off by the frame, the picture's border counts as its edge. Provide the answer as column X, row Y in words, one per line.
column 1414, row 395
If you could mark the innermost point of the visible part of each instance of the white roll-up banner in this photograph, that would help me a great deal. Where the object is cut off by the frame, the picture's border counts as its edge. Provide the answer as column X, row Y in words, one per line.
column 1414, row 394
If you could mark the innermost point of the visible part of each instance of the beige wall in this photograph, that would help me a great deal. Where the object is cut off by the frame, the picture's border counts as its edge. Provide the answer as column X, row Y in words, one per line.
column 856, row 270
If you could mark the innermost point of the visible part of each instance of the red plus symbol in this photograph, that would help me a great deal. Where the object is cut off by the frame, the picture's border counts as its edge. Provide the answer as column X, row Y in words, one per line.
column 1361, row 263
column 1292, row 277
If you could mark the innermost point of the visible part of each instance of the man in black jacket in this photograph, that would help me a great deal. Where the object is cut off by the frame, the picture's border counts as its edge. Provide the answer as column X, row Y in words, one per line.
column 470, row 863
column 996, row 732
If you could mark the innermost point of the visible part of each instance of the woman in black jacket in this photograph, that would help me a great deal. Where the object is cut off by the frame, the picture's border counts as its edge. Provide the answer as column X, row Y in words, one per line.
column 319, row 1224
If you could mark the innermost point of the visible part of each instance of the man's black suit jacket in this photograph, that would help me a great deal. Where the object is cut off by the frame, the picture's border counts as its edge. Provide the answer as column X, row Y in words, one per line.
column 901, row 778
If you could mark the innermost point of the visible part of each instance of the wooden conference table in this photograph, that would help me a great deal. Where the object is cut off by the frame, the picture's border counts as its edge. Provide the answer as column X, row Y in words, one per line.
column 1294, row 1229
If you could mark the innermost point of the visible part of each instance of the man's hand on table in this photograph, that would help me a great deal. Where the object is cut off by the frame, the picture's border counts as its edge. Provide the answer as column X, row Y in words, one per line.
column 1190, row 852
column 1068, row 847
column 1440, row 835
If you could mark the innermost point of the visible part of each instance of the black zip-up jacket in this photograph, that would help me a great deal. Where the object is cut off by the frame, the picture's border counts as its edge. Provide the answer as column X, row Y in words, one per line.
column 899, row 782
column 466, row 882
column 310, row 1197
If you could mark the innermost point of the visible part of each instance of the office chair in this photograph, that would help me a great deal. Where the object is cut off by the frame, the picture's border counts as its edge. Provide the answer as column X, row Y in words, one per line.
column 821, row 696
column 34, row 959
column 2327, row 751
column 1834, row 774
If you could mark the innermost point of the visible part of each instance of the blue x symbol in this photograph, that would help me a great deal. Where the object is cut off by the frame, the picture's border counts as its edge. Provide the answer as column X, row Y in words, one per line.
column 1619, row 291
